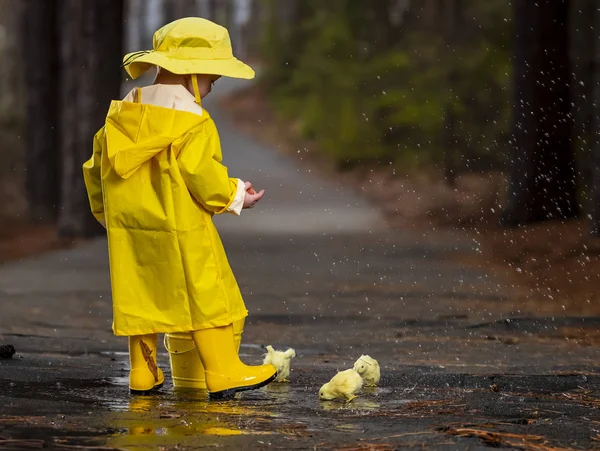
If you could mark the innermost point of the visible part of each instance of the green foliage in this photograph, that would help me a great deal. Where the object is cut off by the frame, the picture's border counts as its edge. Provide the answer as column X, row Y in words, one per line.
column 370, row 90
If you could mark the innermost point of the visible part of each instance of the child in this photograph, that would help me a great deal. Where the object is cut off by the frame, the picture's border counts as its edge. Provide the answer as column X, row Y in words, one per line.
column 155, row 180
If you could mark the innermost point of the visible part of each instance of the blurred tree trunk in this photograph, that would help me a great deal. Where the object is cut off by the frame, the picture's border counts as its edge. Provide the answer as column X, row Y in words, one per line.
column 582, row 61
column 169, row 11
column 135, row 29
column 176, row 9
column 154, row 18
column 90, row 50
column 40, row 45
column 204, row 9
column 224, row 13
column 454, row 22
column 595, row 197
column 254, row 28
column 543, row 179
column 212, row 8
column 284, row 36
column 11, row 64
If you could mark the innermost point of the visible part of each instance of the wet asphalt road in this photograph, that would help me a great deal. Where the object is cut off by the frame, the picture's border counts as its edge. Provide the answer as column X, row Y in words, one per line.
column 467, row 360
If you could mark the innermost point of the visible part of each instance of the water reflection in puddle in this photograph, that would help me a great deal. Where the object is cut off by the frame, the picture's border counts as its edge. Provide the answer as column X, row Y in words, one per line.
column 178, row 415
column 356, row 406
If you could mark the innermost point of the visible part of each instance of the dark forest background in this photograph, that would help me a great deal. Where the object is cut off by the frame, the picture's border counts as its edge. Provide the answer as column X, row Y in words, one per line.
column 461, row 86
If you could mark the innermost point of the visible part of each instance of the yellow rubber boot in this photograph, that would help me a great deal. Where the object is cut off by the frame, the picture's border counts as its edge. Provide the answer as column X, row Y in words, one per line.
column 225, row 373
column 145, row 375
column 238, row 331
column 186, row 367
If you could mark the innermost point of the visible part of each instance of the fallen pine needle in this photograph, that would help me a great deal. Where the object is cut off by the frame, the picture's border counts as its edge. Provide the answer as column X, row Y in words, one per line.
column 95, row 448
column 468, row 432
column 406, row 434
column 544, row 410
column 497, row 439
column 21, row 443
column 369, row 447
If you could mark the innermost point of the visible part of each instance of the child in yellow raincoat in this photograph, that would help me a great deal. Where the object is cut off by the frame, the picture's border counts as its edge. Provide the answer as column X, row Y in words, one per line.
column 155, row 180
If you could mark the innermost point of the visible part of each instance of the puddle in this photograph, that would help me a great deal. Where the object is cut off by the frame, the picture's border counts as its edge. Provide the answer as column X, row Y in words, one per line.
column 101, row 412
column 185, row 416
column 179, row 417
column 356, row 406
column 348, row 427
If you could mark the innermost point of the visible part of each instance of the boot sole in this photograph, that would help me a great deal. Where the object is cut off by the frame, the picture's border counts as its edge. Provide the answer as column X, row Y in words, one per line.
column 230, row 393
column 146, row 392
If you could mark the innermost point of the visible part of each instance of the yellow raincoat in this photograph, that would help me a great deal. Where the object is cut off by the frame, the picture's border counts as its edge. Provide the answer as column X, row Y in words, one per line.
column 156, row 179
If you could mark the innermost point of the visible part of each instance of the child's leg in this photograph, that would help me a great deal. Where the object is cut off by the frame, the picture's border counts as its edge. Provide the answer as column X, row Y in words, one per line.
column 186, row 367
column 225, row 373
column 145, row 374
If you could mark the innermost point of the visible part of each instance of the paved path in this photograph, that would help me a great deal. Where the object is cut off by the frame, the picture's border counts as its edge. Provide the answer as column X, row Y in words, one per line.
column 321, row 273
column 296, row 200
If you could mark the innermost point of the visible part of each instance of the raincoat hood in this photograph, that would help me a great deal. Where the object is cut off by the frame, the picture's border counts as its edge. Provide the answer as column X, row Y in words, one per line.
column 136, row 132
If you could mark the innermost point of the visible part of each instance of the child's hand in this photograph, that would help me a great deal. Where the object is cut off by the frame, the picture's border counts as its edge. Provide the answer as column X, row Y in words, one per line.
column 249, row 188
column 252, row 197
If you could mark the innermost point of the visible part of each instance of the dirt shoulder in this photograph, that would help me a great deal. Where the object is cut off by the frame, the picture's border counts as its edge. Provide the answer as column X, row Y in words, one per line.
column 556, row 263
column 21, row 239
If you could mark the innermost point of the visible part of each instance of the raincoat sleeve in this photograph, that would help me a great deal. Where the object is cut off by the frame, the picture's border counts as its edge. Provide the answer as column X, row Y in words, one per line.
column 92, row 176
column 238, row 201
column 200, row 165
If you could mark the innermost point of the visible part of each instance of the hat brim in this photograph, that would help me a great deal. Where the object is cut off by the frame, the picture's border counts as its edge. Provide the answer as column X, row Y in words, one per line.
column 231, row 67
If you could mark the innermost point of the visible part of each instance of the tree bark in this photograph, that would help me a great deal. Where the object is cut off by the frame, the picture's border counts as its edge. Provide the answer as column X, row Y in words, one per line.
column 91, row 47
column 177, row 9
column 154, row 11
column 169, row 11
column 582, row 62
column 543, row 181
column 454, row 19
column 41, row 76
column 110, row 50
column 212, row 8
column 72, row 41
column 595, row 195
column 135, row 20
column 254, row 29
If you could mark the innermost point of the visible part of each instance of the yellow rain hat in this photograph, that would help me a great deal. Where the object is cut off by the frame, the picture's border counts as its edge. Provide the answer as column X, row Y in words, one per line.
column 191, row 45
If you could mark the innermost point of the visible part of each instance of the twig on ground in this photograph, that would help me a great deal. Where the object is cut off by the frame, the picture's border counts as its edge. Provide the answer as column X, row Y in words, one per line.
column 498, row 439
column 406, row 434
column 21, row 443
column 96, row 448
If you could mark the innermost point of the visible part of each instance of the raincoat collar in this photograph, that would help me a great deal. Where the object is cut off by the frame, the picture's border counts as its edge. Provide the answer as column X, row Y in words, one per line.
column 136, row 132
